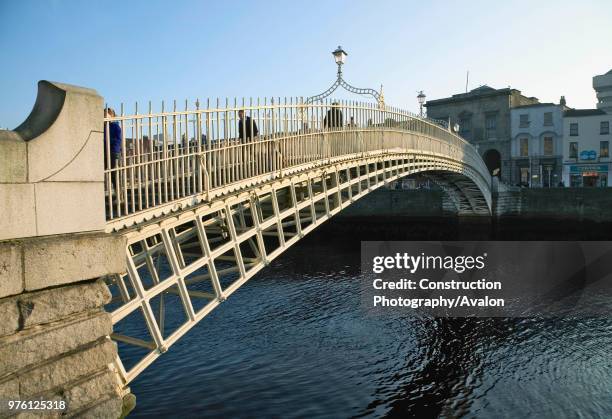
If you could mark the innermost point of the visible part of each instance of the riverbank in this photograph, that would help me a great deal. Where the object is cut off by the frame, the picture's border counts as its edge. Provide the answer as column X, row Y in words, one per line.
column 518, row 214
column 357, row 228
column 580, row 204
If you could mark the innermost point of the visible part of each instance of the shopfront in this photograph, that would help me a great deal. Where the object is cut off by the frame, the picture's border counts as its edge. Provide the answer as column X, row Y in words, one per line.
column 536, row 173
column 548, row 169
column 588, row 175
column 522, row 176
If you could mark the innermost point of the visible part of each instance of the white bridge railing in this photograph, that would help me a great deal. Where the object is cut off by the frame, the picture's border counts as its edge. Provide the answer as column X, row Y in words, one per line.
column 328, row 156
column 175, row 154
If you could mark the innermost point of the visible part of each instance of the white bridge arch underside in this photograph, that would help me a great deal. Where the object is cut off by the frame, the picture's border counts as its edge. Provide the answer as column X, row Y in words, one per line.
column 188, row 257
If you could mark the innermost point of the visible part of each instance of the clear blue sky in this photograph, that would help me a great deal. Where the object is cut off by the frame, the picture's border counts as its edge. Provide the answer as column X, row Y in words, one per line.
column 153, row 50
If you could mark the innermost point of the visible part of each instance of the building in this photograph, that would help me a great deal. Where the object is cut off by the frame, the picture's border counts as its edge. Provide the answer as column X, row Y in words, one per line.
column 536, row 146
column 603, row 86
column 586, row 140
column 586, row 148
column 483, row 115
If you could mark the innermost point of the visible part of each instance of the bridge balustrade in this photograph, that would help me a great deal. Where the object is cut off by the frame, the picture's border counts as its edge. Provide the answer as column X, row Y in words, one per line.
column 181, row 153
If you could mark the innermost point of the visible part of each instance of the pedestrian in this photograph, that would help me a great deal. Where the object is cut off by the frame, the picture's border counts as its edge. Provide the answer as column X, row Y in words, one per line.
column 247, row 128
column 333, row 118
column 112, row 134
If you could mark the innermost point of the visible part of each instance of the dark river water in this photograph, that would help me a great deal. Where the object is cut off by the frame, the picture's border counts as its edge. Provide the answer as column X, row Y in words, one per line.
column 295, row 341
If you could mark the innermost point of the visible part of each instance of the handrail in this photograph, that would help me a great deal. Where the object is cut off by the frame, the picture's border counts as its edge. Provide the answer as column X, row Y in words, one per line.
column 170, row 155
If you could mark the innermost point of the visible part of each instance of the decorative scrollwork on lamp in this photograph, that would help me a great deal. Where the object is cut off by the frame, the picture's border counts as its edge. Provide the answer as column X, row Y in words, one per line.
column 340, row 56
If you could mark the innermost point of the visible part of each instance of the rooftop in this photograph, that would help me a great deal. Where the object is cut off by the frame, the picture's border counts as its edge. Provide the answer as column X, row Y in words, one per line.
column 480, row 91
column 535, row 105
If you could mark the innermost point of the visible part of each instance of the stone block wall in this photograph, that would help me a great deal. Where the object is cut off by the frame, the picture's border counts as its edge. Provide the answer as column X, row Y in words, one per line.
column 399, row 203
column 579, row 204
column 54, row 335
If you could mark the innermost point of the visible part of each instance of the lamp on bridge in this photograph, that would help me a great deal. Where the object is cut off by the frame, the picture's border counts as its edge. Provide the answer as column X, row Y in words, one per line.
column 421, row 98
column 340, row 56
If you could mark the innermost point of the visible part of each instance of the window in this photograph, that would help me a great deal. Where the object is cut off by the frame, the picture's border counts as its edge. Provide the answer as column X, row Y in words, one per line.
column 548, row 146
column 524, row 147
column 524, row 120
column 575, row 181
column 491, row 126
column 465, row 126
column 604, row 127
column 604, row 149
column 574, row 129
column 547, row 119
column 573, row 150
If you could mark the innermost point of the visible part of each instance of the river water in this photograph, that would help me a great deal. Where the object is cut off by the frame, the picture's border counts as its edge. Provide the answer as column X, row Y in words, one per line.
column 296, row 342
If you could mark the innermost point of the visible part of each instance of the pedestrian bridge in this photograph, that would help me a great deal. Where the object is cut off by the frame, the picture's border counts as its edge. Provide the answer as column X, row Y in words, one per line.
column 205, row 205
column 198, row 198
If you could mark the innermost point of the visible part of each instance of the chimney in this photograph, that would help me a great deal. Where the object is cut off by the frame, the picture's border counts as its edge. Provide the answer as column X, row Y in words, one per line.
column 562, row 101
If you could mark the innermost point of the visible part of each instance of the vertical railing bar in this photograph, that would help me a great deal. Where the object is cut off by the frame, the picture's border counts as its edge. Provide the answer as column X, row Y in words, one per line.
column 148, row 159
column 165, row 154
column 173, row 162
column 123, row 177
column 208, row 160
column 108, row 173
column 135, row 158
column 260, row 140
column 217, row 147
column 225, row 142
column 186, row 172
column 197, row 161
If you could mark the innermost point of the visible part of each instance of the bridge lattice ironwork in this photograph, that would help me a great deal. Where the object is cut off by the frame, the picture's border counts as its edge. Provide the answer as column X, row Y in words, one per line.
column 205, row 206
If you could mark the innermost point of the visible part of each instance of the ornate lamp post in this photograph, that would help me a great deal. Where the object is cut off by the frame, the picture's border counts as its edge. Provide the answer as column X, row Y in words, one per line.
column 340, row 57
column 421, row 98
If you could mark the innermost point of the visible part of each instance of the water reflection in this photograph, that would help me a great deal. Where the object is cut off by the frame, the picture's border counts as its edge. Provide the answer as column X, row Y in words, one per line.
column 295, row 342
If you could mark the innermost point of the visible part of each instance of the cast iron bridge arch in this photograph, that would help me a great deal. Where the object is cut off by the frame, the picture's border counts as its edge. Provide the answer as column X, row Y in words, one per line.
column 204, row 210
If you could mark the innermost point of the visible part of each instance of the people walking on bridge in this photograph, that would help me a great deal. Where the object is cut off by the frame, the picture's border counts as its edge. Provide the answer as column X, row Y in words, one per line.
column 333, row 118
column 247, row 128
column 114, row 137
column 112, row 143
column 112, row 134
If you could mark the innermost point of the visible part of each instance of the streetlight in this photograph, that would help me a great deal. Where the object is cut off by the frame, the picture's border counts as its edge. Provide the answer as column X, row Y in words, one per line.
column 421, row 98
column 340, row 57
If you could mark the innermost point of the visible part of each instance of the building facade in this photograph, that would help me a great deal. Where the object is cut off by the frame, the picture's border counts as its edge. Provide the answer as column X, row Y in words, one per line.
column 536, row 146
column 586, row 140
column 586, row 148
column 483, row 115
column 603, row 86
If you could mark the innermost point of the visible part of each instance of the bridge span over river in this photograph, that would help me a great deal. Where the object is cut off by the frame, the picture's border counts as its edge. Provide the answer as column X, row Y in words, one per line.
column 198, row 205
